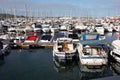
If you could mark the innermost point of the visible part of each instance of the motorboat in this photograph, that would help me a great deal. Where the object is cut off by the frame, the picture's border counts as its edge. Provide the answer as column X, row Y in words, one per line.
column 92, row 53
column 74, row 37
column 116, row 28
column 54, row 28
column 46, row 38
column 92, row 56
column 80, row 27
column 115, row 50
column 37, row 27
column 99, row 28
column 64, row 49
column 31, row 39
column 63, row 28
column 45, row 28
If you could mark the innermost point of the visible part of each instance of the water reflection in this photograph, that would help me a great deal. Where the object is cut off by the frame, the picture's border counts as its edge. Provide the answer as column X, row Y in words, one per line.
column 92, row 73
column 115, row 66
column 64, row 67
column 2, row 60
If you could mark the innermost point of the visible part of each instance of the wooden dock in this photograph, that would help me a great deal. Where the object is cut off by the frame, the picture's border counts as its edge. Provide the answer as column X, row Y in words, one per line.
column 34, row 45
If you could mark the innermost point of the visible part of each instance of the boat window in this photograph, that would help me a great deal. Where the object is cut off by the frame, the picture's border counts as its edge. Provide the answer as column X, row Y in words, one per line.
column 73, row 36
column 1, row 45
column 86, row 51
column 46, row 37
column 116, row 54
column 45, row 26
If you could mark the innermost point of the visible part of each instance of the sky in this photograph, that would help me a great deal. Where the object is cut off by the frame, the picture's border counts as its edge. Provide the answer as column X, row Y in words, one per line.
column 89, row 8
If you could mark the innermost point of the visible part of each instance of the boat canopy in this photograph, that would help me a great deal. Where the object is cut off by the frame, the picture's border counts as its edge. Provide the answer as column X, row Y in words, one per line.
column 95, row 42
column 64, row 39
column 38, row 26
column 73, row 36
column 91, row 37
column 46, row 37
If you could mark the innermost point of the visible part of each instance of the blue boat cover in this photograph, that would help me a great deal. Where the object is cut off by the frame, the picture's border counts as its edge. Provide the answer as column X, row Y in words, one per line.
column 91, row 37
column 93, row 42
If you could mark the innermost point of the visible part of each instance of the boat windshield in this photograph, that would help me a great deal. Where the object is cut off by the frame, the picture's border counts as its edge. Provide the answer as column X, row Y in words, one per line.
column 45, row 26
column 73, row 36
column 46, row 37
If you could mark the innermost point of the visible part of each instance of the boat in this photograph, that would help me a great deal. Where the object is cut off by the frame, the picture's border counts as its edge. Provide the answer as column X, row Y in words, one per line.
column 80, row 27
column 116, row 28
column 64, row 49
column 31, row 39
column 45, row 28
column 4, row 47
column 99, row 28
column 63, row 28
column 36, row 27
column 54, row 28
column 46, row 38
column 90, row 36
column 92, row 53
column 74, row 37
column 107, row 27
column 115, row 50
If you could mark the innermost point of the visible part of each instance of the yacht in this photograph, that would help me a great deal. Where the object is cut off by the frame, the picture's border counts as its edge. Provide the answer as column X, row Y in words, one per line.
column 115, row 52
column 99, row 28
column 92, row 52
column 46, row 38
column 64, row 49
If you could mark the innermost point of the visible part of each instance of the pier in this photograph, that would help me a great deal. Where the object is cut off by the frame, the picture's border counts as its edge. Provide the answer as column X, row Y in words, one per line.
column 34, row 45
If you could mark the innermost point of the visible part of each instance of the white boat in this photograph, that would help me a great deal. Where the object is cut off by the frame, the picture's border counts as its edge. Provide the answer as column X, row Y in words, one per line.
column 45, row 28
column 116, row 28
column 64, row 49
column 36, row 27
column 108, row 28
column 92, row 53
column 74, row 37
column 54, row 28
column 46, row 38
column 80, row 27
column 90, row 28
column 115, row 52
column 63, row 28
column 99, row 28
column 92, row 56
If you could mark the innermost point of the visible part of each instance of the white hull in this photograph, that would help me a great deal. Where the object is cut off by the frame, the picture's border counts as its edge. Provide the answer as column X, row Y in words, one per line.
column 92, row 56
column 61, row 52
column 115, row 52
column 100, row 30
column 109, row 29
column 116, row 28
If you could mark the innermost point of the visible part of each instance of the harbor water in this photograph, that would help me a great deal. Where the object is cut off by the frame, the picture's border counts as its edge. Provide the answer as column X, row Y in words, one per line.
column 38, row 64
